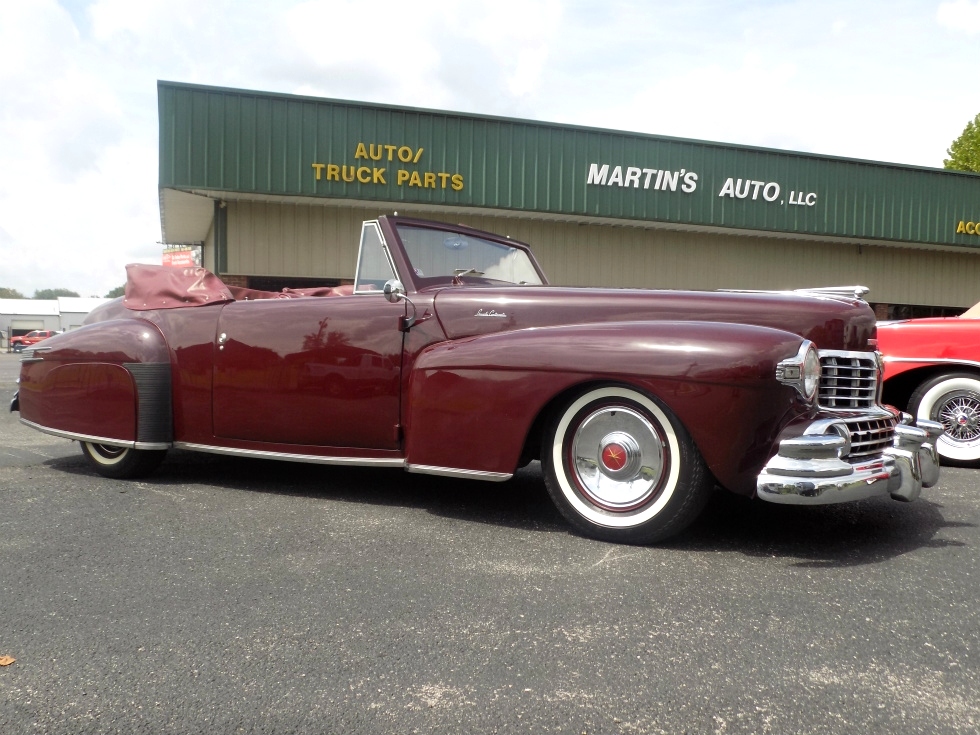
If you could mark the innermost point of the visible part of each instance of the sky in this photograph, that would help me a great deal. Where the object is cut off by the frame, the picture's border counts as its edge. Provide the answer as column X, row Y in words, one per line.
column 893, row 81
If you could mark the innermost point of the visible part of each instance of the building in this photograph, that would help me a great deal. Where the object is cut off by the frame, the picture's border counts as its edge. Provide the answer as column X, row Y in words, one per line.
column 20, row 316
column 269, row 190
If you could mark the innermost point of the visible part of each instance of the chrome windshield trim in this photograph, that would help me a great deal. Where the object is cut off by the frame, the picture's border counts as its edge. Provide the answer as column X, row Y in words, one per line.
column 425, row 469
column 290, row 457
column 91, row 439
column 376, row 226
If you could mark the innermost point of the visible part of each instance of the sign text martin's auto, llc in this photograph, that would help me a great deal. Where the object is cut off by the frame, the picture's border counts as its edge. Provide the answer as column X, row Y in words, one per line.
column 408, row 164
column 687, row 182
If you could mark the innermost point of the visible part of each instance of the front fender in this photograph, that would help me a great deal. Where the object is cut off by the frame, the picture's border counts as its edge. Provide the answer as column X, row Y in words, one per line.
column 109, row 380
column 473, row 402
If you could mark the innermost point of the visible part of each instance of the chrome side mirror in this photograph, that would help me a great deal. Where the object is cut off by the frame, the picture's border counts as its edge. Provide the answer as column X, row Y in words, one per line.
column 394, row 290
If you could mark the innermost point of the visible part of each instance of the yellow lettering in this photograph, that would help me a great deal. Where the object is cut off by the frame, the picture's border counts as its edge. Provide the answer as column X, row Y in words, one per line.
column 361, row 151
column 402, row 176
column 960, row 228
column 443, row 177
column 430, row 180
column 376, row 156
column 416, row 180
column 971, row 228
column 418, row 155
column 404, row 154
column 391, row 151
column 343, row 173
column 318, row 167
column 457, row 182
column 379, row 176
column 364, row 175
column 333, row 172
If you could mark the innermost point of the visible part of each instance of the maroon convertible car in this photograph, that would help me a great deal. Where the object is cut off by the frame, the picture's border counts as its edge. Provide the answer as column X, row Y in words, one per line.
column 451, row 355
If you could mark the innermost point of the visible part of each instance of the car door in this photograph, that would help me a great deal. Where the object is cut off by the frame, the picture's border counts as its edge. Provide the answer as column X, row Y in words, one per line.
column 314, row 371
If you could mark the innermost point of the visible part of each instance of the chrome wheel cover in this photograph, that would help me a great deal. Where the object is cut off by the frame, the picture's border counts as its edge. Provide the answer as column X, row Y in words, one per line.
column 627, row 490
column 617, row 458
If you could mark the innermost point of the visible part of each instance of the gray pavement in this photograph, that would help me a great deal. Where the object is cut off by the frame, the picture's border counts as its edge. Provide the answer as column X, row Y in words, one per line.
column 223, row 595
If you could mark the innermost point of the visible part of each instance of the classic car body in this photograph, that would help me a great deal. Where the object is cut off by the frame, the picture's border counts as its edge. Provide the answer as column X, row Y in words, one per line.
column 932, row 369
column 451, row 355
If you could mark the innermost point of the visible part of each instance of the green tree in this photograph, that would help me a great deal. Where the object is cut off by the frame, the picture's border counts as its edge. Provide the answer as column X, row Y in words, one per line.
column 10, row 293
column 52, row 293
column 116, row 292
column 964, row 152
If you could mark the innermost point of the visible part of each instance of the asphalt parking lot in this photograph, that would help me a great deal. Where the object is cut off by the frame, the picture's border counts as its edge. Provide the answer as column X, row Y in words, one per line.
column 226, row 595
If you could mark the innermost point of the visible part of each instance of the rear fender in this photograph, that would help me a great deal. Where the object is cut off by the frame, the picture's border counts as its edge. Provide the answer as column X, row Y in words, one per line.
column 472, row 402
column 108, row 381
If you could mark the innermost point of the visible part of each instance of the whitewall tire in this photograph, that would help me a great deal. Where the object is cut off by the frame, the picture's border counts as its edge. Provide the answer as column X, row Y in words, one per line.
column 953, row 400
column 621, row 467
column 121, row 463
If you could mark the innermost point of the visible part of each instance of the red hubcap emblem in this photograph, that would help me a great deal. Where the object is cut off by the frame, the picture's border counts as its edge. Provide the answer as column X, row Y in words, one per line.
column 614, row 457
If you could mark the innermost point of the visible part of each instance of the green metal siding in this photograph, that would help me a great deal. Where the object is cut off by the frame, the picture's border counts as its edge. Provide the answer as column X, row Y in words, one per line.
column 239, row 141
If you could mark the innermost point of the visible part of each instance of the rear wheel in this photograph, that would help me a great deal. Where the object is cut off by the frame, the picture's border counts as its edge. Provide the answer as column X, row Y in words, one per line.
column 121, row 463
column 954, row 401
column 621, row 467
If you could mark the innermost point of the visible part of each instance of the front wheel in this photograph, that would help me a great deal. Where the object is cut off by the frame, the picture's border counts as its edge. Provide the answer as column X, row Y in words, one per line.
column 620, row 467
column 954, row 401
column 122, row 463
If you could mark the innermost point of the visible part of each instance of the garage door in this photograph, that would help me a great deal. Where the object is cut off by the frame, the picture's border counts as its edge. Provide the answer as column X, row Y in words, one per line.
column 19, row 327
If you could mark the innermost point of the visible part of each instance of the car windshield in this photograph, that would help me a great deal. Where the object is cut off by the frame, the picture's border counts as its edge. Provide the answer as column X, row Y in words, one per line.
column 441, row 253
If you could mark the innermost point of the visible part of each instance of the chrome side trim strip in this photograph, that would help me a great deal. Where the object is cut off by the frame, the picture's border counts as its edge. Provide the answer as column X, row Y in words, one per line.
column 936, row 360
column 96, row 439
column 424, row 469
column 287, row 457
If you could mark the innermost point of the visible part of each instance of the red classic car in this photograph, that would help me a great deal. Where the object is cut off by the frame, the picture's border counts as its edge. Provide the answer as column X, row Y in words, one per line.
column 451, row 355
column 932, row 369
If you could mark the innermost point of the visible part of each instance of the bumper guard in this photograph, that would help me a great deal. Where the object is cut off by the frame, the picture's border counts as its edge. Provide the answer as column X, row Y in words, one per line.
column 810, row 469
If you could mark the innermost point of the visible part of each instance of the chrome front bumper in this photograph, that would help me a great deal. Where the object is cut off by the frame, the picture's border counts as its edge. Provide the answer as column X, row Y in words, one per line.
column 811, row 469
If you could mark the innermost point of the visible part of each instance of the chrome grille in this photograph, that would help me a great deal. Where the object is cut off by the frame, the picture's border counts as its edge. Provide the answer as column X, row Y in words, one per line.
column 869, row 436
column 848, row 380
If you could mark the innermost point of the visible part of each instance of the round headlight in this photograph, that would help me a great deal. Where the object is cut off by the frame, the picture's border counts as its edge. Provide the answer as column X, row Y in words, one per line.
column 811, row 374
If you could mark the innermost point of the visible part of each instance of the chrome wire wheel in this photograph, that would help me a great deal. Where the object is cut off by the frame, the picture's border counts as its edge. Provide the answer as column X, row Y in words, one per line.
column 621, row 467
column 954, row 401
column 960, row 416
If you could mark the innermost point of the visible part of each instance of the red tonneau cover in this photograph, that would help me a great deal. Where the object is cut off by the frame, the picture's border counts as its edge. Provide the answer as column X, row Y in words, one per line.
column 166, row 287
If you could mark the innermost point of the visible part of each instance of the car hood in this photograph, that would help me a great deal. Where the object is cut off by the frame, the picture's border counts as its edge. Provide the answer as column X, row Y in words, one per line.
column 831, row 322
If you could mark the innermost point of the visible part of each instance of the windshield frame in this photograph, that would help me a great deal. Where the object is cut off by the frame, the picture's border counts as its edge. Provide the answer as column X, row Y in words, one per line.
column 414, row 282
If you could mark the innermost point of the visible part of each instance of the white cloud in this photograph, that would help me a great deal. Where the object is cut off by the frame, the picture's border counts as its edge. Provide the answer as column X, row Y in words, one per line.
column 960, row 15
column 78, row 109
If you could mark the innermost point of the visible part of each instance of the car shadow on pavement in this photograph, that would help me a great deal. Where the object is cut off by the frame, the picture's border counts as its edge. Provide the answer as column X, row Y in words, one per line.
column 521, row 502
column 850, row 534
